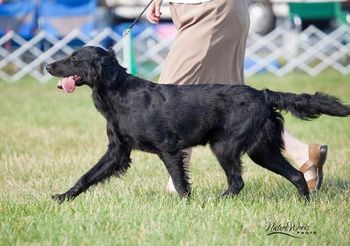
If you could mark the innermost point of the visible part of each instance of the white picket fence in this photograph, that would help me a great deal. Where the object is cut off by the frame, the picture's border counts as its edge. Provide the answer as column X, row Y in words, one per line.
column 280, row 52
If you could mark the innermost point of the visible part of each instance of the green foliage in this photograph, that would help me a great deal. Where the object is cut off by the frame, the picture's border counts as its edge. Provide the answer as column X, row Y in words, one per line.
column 48, row 139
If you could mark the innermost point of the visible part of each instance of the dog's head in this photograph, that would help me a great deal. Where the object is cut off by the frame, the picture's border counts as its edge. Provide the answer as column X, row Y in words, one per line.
column 92, row 66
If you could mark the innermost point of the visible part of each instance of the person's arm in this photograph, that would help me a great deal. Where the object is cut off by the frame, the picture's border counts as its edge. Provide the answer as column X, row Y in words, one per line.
column 154, row 13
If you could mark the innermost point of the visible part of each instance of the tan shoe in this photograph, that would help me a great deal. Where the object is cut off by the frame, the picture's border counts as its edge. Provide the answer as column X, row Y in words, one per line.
column 317, row 158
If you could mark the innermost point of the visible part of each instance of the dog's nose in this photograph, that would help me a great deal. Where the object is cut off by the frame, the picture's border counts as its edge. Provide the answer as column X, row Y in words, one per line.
column 48, row 67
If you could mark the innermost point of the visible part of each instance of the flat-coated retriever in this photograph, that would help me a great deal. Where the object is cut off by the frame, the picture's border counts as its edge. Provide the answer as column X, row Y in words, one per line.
column 165, row 119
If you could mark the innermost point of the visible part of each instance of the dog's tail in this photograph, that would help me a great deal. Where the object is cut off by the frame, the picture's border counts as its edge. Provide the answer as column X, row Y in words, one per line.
column 306, row 106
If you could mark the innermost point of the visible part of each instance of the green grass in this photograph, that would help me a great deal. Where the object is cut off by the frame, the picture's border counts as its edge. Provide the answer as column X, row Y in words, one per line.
column 48, row 139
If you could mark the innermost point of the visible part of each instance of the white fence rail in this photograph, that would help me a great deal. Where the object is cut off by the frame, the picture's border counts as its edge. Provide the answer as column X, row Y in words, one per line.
column 280, row 52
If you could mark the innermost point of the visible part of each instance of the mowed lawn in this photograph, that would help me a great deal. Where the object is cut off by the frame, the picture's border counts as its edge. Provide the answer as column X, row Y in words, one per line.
column 48, row 139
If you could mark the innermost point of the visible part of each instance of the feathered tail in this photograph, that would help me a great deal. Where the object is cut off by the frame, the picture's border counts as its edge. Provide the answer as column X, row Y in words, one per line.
column 306, row 106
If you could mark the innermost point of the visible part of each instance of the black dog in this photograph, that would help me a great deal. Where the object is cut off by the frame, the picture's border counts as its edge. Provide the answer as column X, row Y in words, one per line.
column 165, row 119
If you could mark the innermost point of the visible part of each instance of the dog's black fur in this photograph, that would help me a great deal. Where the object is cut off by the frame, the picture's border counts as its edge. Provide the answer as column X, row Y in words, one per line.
column 165, row 119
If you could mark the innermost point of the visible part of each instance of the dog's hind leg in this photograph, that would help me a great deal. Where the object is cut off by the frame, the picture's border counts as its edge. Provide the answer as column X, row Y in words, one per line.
column 265, row 150
column 175, row 166
column 228, row 156
column 272, row 159
column 114, row 162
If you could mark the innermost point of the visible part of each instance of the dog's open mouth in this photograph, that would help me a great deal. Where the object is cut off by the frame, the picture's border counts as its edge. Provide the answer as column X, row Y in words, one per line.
column 68, row 84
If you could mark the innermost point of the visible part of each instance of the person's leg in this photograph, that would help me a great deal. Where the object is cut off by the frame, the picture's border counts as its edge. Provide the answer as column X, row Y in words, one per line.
column 296, row 149
column 224, row 60
column 309, row 159
column 210, row 43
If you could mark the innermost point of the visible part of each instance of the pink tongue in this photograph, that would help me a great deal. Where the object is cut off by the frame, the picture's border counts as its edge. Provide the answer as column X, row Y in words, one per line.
column 67, row 84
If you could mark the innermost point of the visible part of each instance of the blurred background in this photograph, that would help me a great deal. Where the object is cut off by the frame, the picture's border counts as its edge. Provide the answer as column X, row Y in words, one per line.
column 285, row 36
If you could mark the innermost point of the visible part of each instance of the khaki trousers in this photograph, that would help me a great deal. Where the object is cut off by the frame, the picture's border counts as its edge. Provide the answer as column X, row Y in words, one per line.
column 210, row 43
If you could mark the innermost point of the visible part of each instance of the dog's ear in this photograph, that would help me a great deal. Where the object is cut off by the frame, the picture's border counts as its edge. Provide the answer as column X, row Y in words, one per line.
column 108, row 60
column 109, row 70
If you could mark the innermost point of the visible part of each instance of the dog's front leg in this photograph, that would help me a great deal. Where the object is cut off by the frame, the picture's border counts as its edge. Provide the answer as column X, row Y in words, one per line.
column 114, row 162
column 175, row 167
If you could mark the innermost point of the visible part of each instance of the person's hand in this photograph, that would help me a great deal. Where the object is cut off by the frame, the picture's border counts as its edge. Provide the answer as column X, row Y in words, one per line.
column 154, row 13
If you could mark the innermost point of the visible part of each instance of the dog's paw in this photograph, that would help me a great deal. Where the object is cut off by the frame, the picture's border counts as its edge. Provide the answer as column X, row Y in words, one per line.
column 306, row 198
column 229, row 194
column 59, row 198
column 62, row 197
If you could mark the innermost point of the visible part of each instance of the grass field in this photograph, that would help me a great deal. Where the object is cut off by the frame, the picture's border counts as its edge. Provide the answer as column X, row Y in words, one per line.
column 48, row 139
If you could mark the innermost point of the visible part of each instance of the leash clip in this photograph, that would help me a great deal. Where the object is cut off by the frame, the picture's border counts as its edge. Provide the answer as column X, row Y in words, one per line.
column 126, row 32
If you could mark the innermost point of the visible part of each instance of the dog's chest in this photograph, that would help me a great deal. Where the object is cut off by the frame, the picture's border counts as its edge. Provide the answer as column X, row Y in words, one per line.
column 101, row 103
